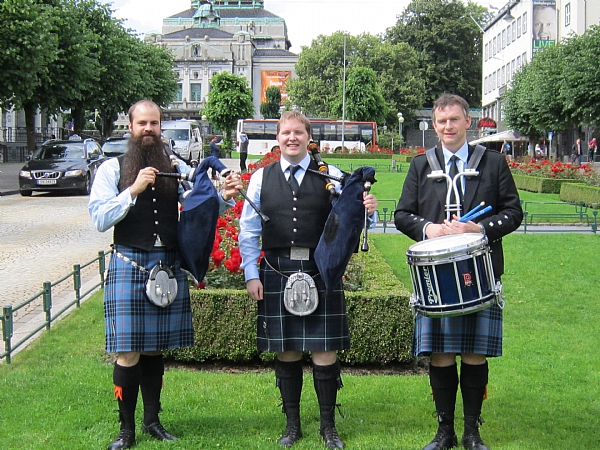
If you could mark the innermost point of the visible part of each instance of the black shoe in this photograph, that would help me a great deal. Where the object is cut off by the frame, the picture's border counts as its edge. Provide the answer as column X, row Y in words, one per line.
column 125, row 439
column 157, row 431
column 331, row 437
column 442, row 441
column 472, row 441
column 291, row 434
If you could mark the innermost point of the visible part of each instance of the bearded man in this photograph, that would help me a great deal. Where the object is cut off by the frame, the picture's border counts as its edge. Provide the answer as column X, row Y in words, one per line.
column 143, row 209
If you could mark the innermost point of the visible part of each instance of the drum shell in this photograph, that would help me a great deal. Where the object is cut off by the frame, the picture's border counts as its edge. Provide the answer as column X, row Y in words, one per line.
column 451, row 281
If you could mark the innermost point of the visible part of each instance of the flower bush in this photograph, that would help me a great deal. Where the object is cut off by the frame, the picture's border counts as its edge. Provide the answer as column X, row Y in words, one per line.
column 412, row 151
column 550, row 169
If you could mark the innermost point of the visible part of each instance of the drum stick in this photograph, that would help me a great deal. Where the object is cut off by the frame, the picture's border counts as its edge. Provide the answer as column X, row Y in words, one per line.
column 473, row 211
column 477, row 214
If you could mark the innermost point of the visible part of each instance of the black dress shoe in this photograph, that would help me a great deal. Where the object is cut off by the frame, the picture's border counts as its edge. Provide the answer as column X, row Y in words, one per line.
column 442, row 441
column 291, row 434
column 157, row 431
column 472, row 441
column 331, row 437
column 125, row 439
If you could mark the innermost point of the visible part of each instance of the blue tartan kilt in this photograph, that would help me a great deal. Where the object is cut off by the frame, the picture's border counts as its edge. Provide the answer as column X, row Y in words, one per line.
column 479, row 332
column 326, row 329
column 133, row 324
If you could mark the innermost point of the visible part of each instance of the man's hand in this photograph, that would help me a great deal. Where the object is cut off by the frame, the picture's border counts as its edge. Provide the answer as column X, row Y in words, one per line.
column 255, row 289
column 233, row 184
column 449, row 227
column 145, row 177
column 370, row 203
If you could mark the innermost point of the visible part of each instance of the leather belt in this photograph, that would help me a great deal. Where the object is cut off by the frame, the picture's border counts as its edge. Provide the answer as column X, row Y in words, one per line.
column 287, row 252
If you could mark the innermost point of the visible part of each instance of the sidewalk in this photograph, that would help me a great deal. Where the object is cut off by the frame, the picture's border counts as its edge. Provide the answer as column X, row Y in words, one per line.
column 9, row 177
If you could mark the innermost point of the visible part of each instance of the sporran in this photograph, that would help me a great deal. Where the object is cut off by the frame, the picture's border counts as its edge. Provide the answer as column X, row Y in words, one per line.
column 161, row 286
column 301, row 296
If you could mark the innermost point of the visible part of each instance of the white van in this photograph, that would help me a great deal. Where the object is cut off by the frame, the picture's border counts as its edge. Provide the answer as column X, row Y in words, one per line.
column 186, row 137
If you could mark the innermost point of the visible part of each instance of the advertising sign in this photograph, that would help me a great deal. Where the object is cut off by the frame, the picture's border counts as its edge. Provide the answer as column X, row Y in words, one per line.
column 544, row 27
column 277, row 78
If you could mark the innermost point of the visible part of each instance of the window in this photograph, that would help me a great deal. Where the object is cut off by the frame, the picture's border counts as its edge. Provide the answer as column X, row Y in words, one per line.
column 518, row 27
column 512, row 69
column 486, row 52
column 518, row 62
column 503, row 38
column 514, row 31
column 179, row 94
column 498, row 78
column 499, row 43
column 524, row 58
column 196, row 92
column 494, row 47
column 524, row 22
column 507, row 35
column 567, row 14
column 503, row 75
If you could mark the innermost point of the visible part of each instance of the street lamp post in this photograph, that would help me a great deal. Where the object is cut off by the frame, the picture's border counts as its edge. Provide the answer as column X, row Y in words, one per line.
column 400, row 122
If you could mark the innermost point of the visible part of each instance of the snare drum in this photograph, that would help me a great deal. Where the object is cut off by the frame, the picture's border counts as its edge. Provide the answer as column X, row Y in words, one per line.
column 452, row 275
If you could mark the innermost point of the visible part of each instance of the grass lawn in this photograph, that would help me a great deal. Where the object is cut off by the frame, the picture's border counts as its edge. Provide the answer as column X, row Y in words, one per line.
column 57, row 394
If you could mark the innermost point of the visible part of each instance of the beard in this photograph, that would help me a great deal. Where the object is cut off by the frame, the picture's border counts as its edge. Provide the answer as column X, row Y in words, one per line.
column 147, row 150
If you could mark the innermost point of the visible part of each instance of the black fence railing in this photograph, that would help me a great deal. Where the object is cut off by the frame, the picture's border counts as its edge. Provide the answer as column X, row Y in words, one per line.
column 45, row 296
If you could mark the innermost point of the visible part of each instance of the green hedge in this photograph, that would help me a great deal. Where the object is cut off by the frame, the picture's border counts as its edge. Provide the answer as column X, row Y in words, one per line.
column 539, row 184
column 365, row 155
column 403, row 158
column 381, row 323
column 577, row 192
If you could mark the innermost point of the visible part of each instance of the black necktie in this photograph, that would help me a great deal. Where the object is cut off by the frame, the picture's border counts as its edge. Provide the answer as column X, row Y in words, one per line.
column 292, row 179
column 453, row 173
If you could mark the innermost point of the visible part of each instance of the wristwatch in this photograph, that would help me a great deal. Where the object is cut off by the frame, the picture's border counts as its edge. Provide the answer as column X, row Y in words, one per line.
column 481, row 228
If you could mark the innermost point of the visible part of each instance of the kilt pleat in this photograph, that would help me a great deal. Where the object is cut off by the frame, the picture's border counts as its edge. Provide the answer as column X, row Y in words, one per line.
column 133, row 324
column 479, row 333
column 326, row 329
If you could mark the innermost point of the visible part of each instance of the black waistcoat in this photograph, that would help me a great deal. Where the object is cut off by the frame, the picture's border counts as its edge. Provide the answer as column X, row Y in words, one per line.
column 151, row 215
column 294, row 221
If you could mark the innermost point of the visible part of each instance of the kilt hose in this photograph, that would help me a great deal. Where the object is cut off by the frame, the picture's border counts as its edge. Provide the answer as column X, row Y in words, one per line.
column 479, row 332
column 133, row 324
column 326, row 329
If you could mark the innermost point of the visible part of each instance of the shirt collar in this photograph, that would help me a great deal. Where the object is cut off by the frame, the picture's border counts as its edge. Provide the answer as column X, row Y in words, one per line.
column 284, row 163
column 462, row 153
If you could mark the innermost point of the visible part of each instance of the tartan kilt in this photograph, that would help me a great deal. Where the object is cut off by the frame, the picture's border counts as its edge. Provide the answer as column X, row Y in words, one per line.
column 326, row 329
column 479, row 332
column 133, row 324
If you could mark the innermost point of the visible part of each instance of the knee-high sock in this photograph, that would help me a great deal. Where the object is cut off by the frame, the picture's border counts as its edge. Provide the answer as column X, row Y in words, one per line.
column 327, row 380
column 127, row 383
column 151, row 382
column 473, row 381
column 289, row 381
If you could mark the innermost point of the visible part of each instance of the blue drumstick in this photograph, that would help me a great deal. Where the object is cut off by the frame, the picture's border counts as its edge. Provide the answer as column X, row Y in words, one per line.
column 477, row 214
column 474, row 210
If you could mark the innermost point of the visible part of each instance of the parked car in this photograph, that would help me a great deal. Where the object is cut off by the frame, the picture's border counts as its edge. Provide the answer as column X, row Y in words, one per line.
column 61, row 165
column 185, row 138
column 114, row 146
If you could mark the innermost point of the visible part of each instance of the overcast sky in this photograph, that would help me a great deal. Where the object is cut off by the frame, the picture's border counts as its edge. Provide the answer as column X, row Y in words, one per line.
column 305, row 19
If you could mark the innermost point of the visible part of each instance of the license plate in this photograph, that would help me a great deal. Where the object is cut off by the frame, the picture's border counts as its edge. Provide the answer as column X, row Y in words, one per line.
column 46, row 182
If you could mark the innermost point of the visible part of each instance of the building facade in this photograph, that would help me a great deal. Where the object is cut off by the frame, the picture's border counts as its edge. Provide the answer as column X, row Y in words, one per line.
column 519, row 30
column 235, row 36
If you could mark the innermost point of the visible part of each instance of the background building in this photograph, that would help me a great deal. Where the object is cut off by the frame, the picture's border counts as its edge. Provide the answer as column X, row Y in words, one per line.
column 236, row 36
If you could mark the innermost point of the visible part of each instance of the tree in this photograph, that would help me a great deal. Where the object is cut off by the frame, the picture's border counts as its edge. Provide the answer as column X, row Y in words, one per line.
column 364, row 101
column 270, row 108
column 448, row 44
column 230, row 99
column 320, row 69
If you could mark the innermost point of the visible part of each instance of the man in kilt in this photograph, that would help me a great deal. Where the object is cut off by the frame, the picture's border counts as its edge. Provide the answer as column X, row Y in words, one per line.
column 143, row 209
column 421, row 215
column 297, row 204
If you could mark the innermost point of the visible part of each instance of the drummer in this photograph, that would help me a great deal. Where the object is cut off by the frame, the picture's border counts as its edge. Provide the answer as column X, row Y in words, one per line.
column 421, row 214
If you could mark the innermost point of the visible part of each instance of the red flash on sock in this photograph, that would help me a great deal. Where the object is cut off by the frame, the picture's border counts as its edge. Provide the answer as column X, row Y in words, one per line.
column 118, row 392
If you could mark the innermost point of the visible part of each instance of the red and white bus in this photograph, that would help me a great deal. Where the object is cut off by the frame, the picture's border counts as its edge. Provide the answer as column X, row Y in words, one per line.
column 325, row 132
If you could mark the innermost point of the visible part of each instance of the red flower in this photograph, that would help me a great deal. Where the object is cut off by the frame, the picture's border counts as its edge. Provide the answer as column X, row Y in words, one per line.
column 232, row 266
column 221, row 223
column 218, row 256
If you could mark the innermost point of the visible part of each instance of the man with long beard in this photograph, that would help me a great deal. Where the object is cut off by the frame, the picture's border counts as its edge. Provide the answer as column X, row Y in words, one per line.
column 143, row 210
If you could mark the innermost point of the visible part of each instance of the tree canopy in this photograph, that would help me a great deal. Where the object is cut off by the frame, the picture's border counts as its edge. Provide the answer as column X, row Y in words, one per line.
column 364, row 101
column 270, row 108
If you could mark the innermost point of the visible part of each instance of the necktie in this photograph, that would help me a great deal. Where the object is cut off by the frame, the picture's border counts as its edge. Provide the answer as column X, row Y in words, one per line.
column 292, row 179
column 453, row 173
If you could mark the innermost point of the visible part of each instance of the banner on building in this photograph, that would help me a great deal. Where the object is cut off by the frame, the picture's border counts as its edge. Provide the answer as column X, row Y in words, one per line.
column 544, row 27
column 277, row 78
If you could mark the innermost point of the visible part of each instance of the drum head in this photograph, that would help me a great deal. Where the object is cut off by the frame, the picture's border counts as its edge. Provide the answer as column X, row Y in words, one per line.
column 447, row 245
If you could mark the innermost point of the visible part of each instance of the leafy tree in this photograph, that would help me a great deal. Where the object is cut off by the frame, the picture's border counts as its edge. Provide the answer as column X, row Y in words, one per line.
column 448, row 43
column 363, row 97
column 229, row 99
column 320, row 72
column 270, row 108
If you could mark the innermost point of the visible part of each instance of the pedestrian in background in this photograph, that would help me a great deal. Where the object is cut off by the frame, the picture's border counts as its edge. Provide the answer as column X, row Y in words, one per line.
column 592, row 149
column 577, row 151
column 216, row 152
column 143, row 210
column 243, row 151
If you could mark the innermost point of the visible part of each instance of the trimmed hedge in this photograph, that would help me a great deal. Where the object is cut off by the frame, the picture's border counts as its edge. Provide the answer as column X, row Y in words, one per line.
column 539, row 184
column 381, row 323
column 365, row 155
column 403, row 158
column 577, row 192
